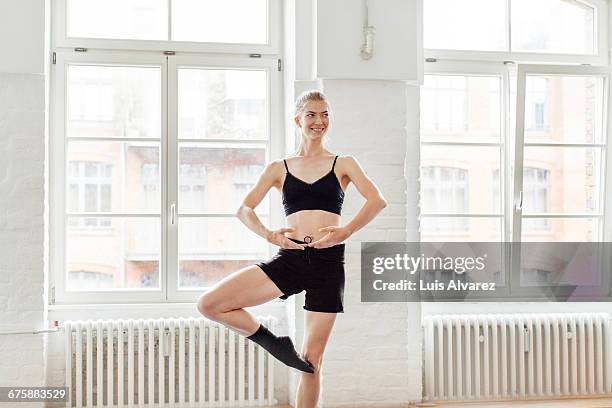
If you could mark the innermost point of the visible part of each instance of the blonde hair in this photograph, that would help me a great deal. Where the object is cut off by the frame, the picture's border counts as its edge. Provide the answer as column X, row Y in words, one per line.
column 311, row 95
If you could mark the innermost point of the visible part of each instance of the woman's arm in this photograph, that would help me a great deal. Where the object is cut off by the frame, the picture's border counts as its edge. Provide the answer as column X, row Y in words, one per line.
column 246, row 211
column 375, row 202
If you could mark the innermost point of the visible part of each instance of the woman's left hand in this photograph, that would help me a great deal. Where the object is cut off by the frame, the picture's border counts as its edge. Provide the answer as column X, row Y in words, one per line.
column 334, row 236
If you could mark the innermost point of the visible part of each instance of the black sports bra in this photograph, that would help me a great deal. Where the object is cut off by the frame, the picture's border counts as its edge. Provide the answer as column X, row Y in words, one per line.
column 324, row 194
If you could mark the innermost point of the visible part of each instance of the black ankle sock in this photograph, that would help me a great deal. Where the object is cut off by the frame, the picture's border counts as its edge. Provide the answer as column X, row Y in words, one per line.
column 281, row 348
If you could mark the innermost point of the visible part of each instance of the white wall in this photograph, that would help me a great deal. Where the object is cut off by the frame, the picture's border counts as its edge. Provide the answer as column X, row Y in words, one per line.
column 22, row 29
column 397, row 40
column 22, row 116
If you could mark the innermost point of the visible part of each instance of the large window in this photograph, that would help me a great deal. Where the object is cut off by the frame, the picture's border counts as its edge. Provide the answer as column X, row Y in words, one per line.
column 461, row 146
column 511, row 100
column 152, row 152
column 563, row 27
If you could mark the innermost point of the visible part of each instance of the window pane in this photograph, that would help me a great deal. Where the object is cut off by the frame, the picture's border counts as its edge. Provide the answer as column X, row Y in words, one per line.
column 215, row 178
column 212, row 248
column 113, row 101
column 564, row 109
column 460, row 229
column 215, row 104
column 459, row 25
column 124, row 254
column 555, row 26
column 118, row 19
column 459, row 179
column 109, row 177
column 562, row 264
column 561, row 230
column 461, row 108
column 227, row 21
column 561, row 180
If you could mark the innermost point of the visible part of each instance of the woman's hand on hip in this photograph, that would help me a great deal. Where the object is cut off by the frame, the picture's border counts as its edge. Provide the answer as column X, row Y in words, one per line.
column 278, row 238
column 335, row 235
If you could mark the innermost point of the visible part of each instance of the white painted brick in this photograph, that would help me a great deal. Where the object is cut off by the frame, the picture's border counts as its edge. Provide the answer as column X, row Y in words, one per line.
column 21, row 222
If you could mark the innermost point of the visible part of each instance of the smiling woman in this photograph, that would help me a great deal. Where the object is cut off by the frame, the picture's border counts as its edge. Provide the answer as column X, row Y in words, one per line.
column 311, row 254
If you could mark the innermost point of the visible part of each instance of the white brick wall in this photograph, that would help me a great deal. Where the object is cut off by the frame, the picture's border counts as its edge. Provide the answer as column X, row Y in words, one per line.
column 21, row 226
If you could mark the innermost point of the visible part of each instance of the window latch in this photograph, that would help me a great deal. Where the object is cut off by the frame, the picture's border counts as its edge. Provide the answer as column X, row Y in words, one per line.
column 172, row 213
column 519, row 202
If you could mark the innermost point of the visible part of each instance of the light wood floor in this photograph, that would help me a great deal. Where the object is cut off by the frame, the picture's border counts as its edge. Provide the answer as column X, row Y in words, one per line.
column 567, row 403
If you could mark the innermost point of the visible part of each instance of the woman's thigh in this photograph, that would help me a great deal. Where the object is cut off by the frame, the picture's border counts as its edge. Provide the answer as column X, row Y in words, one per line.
column 249, row 286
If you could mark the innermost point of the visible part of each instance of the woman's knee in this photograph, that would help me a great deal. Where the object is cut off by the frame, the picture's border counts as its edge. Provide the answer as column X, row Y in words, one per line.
column 315, row 356
column 208, row 306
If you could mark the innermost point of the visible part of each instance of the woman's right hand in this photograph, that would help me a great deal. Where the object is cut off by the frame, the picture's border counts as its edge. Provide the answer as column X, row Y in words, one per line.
column 278, row 238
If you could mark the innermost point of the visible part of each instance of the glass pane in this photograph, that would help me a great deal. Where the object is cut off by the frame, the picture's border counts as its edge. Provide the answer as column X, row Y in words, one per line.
column 113, row 177
column 227, row 21
column 560, row 230
column 556, row 26
column 564, row 109
column 212, row 248
column 459, row 25
column 566, row 263
column 112, row 253
column 461, row 229
column 461, row 108
column 458, row 179
column 113, row 101
column 561, row 180
column 118, row 19
column 215, row 178
column 222, row 103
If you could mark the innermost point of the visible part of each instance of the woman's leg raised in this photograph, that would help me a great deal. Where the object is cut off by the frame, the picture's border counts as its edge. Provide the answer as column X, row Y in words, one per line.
column 224, row 302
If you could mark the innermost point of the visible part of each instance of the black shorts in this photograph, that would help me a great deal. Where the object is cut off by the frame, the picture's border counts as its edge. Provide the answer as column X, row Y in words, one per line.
column 319, row 271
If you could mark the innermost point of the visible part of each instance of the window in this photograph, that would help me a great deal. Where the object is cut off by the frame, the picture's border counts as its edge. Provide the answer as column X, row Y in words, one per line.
column 240, row 26
column 460, row 146
column 535, row 131
column 536, row 104
column 151, row 153
column 89, row 190
column 536, row 198
column 444, row 189
column 543, row 26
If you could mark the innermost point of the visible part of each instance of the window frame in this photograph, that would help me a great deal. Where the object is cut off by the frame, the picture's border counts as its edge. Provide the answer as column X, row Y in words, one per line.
column 469, row 68
column 273, row 47
column 601, row 57
column 168, row 277
column 523, row 70
column 511, row 189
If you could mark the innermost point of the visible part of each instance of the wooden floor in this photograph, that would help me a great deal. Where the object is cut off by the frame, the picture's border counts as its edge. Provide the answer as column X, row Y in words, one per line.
column 567, row 403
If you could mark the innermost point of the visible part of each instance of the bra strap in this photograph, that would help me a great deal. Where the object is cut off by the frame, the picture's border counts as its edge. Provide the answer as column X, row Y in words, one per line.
column 286, row 165
column 334, row 165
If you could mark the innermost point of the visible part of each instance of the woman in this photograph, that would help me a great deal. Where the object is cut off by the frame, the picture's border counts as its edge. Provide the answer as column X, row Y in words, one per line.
column 311, row 254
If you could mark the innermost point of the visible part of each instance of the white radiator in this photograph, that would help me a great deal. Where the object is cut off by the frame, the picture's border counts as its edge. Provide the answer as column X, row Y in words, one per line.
column 165, row 362
column 516, row 356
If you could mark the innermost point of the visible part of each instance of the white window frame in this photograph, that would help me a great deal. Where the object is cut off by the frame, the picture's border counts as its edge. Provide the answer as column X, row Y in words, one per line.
column 151, row 53
column 460, row 62
column 523, row 71
column 273, row 144
column 466, row 68
column 601, row 57
column 273, row 47
column 168, row 154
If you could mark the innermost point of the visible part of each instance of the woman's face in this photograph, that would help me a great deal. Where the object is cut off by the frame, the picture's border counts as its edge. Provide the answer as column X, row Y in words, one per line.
column 314, row 119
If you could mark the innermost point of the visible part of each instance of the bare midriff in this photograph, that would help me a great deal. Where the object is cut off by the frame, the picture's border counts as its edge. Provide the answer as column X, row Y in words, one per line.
column 307, row 223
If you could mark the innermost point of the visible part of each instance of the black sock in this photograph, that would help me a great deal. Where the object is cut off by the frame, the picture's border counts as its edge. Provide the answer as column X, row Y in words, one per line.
column 281, row 348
